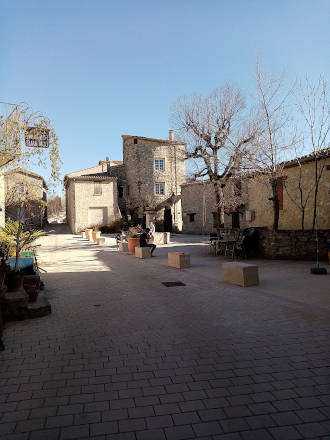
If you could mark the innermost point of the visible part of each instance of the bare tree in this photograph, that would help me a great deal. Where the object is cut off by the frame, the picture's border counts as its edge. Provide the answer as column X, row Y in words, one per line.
column 276, row 135
column 313, row 105
column 301, row 185
column 217, row 137
column 54, row 206
column 13, row 129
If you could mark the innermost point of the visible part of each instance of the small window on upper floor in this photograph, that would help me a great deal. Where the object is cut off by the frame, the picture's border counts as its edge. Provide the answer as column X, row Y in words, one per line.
column 160, row 164
column 160, row 189
column 191, row 217
column 97, row 189
column 135, row 141
column 19, row 188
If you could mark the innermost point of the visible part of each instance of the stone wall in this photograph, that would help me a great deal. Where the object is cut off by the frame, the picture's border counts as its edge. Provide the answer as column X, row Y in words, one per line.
column 34, row 190
column 85, row 199
column 70, row 205
column 139, row 156
column 292, row 245
column 198, row 206
column 290, row 216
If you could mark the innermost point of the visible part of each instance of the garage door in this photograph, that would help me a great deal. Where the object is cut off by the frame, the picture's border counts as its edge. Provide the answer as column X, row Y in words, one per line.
column 97, row 216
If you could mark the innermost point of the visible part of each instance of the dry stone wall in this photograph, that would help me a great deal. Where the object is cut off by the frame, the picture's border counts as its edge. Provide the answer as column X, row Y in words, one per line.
column 292, row 245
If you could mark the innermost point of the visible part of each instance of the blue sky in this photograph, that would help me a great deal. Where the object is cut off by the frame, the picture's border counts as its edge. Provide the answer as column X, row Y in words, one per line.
column 102, row 68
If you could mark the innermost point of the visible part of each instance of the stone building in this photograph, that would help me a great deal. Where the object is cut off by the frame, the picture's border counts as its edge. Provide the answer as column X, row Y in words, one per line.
column 155, row 170
column 150, row 176
column 92, row 195
column 199, row 207
column 199, row 210
column 259, row 206
column 23, row 187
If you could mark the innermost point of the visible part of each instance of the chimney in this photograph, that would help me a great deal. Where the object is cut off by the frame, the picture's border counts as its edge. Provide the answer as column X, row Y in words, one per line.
column 108, row 165
column 171, row 135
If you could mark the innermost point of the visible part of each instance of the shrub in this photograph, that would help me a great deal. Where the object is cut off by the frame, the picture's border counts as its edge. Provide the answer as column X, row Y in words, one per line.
column 115, row 226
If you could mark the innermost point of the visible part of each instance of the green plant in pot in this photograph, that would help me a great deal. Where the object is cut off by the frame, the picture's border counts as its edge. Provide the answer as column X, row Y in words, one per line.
column 96, row 233
column 133, row 238
column 17, row 237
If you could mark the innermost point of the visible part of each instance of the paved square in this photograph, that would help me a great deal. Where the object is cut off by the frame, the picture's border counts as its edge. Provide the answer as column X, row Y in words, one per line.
column 124, row 357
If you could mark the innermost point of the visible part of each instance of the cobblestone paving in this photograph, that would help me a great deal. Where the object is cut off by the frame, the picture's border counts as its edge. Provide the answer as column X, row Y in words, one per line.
column 123, row 357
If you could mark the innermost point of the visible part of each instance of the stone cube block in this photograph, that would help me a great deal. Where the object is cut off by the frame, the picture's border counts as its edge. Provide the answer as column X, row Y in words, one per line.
column 142, row 252
column 100, row 241
column 242, row 274
column 179, row 260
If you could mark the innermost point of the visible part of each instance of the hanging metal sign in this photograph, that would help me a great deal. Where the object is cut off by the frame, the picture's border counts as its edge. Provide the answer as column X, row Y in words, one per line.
column 37, row 137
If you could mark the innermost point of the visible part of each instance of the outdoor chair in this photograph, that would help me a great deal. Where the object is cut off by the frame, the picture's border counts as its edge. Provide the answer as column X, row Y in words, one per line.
column 235, row 247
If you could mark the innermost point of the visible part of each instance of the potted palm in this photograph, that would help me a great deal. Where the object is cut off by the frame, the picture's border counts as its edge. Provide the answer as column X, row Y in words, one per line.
column 133, row 238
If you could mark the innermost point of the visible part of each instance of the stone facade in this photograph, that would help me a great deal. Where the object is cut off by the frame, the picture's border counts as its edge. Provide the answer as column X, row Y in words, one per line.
column 198, row 201
column 290, row 215
column 33, row 186
column 149, row 166
column 155, row 170
column 91, row 200
column 292, row 245
column 199, row 209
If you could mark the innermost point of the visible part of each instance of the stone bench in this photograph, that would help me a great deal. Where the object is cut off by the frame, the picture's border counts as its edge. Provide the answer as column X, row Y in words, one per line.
column 142, row 252
column 100, row 241
column 242, row 274
column 179, row 260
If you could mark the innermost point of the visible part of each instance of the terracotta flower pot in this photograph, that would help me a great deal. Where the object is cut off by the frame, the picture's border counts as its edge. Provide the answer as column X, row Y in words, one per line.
column 132, row 244
column 14, row 281
column 96, row 235
column 88, row 233
column 32, row 291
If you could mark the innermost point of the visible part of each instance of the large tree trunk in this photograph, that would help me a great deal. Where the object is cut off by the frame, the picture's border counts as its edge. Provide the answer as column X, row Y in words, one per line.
column 220, row 212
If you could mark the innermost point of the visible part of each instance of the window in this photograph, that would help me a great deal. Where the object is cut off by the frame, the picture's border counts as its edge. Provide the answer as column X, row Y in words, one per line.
column 160, row 189
column 159, row 164
column 135, row 141
column 191, row 217
column 97, row 189
column 20, row 188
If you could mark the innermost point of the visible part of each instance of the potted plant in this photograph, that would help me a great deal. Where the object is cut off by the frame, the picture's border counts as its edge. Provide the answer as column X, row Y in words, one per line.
column 96, row 233
column 133, row 238
column 88, row 233
column 16, row 237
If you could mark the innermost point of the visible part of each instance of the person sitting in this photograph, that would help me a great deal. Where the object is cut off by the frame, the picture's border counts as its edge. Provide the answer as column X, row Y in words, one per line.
column 144, row 237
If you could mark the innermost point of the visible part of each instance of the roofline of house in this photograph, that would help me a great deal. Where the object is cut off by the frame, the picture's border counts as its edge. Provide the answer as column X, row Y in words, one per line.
column 307, row 158
column 162, row 141
column 92, row 177
column 116, row 162
column 27, row 173
column 289, row 164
